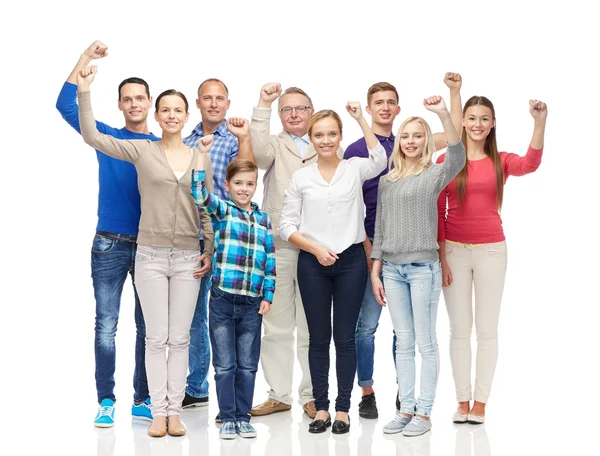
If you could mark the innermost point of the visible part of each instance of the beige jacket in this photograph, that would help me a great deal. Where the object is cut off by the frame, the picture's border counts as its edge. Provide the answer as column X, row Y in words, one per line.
column 280, row 158
column 169, row 214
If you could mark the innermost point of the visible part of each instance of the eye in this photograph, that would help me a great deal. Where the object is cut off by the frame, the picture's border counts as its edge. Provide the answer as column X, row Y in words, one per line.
column 318, row 135
column 333, row 134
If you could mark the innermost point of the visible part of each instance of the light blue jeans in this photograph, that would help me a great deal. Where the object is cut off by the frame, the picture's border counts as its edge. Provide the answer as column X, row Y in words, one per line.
column 412, row 292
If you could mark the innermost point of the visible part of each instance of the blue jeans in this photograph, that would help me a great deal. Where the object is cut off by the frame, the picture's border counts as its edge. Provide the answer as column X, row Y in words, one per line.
column 413, row 291
column 235, row 330
column 340, row 286
column 199, row 357
column 112, row 260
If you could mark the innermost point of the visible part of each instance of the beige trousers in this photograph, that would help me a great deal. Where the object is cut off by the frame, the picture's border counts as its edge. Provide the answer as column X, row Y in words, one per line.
column 285, row 317
column 168, row 293
column 480, row 268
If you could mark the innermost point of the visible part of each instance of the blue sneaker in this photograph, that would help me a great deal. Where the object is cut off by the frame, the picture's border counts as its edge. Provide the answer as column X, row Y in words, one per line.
column 105, row 417
column 142, row 412
column 245, row 429
column 228, row 430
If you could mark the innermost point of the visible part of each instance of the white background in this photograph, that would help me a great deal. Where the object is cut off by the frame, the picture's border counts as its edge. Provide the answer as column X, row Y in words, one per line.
column 545, row 394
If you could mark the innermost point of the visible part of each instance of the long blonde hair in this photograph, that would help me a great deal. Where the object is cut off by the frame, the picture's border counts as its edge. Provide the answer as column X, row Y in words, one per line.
column 397, row 164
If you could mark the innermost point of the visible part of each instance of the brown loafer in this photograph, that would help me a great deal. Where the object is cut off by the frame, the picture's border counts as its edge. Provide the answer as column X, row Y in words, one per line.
column 269, row 406
column 157, row 430
column 176, row 430
column 310, row 410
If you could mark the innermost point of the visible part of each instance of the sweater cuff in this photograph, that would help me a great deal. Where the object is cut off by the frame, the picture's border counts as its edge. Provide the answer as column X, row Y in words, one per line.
column 262, row 113
column 376, row 254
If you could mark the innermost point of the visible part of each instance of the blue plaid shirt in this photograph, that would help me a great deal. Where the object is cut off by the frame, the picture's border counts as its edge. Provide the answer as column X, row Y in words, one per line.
column 224, row 149
column 244, row 260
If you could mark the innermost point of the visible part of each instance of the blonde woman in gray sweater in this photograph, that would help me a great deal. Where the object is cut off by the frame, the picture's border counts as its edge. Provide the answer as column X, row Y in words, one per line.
column 405, row 248
column 168, row 245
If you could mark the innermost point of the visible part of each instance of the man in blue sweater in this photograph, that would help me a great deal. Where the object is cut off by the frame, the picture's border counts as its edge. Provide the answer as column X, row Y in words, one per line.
column 114, row 245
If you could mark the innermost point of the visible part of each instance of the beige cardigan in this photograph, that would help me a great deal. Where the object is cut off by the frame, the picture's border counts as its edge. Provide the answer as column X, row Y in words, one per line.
column 169, row 215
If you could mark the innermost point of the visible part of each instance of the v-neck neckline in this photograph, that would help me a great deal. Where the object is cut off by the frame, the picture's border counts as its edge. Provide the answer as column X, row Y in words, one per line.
column 190, row 164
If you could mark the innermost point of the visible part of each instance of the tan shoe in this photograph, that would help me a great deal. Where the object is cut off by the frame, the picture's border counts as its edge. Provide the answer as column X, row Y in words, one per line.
column 269, row 406
column 310, row 410
column 175, row 427
column 158, row 428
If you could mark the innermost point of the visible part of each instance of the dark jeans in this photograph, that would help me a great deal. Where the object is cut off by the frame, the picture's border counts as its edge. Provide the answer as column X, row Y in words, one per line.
column 112, row 260
column 235, row 331
column 344, row 283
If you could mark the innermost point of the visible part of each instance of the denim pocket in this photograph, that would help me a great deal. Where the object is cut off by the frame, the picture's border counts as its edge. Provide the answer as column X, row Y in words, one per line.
column 191, row 255
column 496, row 249
column 102, row 244
column 448, row 248
column 254, row 301
column 216, row 292
column 144, row 253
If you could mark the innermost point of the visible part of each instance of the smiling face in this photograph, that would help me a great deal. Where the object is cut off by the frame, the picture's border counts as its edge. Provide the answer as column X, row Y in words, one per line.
column 295, row 122
column 413, row 141
column 325, row 136
column 171, row 114
column 213, row 102
column 383, row 108
column 478, row 121
column 241, row 187
column 134, row 103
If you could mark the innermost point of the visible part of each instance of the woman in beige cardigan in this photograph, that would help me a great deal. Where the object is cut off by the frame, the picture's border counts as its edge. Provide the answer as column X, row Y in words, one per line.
column 168, row 245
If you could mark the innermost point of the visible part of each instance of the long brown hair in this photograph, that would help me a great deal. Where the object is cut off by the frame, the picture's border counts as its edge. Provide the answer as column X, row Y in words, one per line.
column 490, row 148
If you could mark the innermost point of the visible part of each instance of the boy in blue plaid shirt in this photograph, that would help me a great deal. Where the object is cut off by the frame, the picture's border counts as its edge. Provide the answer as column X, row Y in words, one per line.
column 243, row 284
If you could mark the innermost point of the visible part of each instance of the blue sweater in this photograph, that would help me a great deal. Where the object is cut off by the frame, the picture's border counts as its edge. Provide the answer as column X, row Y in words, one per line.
column 118, row 195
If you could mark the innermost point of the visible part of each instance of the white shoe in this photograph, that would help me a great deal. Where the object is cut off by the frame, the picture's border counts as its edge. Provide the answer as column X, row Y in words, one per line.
column 459, row 417
column 475, row 419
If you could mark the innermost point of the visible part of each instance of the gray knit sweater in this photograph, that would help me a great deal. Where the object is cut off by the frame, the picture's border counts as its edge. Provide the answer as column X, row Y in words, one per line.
column 407, row 218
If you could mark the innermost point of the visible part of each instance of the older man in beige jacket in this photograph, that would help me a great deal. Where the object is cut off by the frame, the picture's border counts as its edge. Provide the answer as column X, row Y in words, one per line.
column 280, row 155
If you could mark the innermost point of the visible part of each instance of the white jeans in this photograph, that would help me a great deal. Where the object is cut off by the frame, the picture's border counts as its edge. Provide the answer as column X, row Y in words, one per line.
column 482, row 268
column 277, row 349
column 168, row 293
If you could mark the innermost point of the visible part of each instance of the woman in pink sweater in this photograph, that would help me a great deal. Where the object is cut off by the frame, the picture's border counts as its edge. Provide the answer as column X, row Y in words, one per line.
column 473, row 250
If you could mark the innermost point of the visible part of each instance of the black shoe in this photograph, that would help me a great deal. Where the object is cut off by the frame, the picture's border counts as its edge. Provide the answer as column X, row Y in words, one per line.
column 340, row 427
column 398, row 404
column 218, row 418
column 191, row 401
column 367, row 408
column 319, row 426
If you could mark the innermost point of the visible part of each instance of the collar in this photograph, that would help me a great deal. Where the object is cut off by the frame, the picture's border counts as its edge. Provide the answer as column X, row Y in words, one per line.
column 382, row 138
column 254, row 206
column 303, row 138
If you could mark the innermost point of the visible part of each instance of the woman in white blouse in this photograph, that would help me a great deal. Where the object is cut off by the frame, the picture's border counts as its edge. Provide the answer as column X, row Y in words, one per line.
column 323, row 215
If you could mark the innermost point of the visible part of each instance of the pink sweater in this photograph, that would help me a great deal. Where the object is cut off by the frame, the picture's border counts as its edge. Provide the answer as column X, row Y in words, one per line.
column 477, row 220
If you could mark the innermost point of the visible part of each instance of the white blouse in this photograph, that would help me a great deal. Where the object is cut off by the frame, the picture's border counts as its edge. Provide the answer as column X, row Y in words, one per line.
column 330, row 214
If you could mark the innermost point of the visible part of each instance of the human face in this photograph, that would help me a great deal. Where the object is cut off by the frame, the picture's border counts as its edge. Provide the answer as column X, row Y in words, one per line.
column 171, row 114
column 383, row 108
column 413, row 140
column 241, row 187
column 134, row 103
column 213, row 103
column 478, row 122
column 326, row 137
column 295, row 122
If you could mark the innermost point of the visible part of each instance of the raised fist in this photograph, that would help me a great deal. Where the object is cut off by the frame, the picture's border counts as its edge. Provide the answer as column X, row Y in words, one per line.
column 97, row 50
column 238, row 126
column 434, row 104
column 354, row 109
column 85, row 77
column 270, row 92
column 453, row 81
column 205, row 143
column 538, row 109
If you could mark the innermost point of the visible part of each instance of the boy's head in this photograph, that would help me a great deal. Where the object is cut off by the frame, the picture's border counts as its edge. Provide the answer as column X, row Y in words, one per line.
column 241, row 177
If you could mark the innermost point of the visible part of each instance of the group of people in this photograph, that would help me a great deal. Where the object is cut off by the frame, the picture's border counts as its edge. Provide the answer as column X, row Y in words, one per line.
column 340, row 235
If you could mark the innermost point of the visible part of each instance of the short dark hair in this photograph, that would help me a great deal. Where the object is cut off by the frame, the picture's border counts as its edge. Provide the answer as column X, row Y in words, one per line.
column 212, row 80
column 134, row 81
column 381, row 87
column 171, row 92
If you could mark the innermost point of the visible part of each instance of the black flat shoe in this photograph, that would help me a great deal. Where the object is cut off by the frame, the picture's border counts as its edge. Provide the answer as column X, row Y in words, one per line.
column 319, row 426
column 340, row 427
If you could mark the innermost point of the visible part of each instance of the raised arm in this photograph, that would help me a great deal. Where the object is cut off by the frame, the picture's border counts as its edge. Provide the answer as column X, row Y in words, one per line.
column 239, row 127
column 97, row 50
column 204, row 199
column 539, row 112
column 263, row 146
column 117, row 148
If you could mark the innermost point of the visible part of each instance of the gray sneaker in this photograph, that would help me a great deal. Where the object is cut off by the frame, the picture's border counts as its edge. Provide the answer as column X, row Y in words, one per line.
column 397, row 424
column 417, row 426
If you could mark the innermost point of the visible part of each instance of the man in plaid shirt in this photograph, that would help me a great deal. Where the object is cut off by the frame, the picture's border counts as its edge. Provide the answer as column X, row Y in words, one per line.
column 242, row 289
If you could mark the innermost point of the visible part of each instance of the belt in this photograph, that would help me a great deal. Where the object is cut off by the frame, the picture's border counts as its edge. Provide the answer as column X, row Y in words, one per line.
column 122, row 237
column 463, row 244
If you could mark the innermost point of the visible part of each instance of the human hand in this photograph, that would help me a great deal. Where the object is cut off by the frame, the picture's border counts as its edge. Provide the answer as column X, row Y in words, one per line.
column 265, row 306
column 378, row 290
column 96, row 50
column 538, row 110
column 354, row 109
column 446, row 275
column 453, row 81
column 85, row 77
column 435, row 104
column 269, row 93
column 238, row 126
column 204, row 263
column 325, row 256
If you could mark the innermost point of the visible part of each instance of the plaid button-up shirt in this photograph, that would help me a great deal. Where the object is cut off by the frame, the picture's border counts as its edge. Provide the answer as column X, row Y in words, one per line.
column 244, row 260
column 223, row 150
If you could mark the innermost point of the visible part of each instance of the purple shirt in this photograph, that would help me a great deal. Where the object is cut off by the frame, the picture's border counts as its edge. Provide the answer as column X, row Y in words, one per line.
column 359, row 149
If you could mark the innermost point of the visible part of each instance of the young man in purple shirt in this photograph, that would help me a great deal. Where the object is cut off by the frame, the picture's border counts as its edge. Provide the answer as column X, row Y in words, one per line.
column 114, row 245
